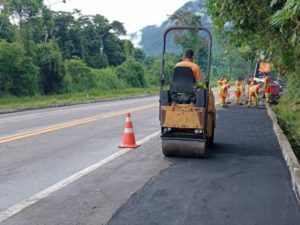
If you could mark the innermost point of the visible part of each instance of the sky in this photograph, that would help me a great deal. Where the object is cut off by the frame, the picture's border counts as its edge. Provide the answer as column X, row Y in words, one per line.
column 134, row 14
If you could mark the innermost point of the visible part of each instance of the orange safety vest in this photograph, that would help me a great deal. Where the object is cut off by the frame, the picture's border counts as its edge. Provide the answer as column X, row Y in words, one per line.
column 195, row 68
column 253, row 91
column 243, row 86
column 224, row 89
column 237, row 85
column 220, row 83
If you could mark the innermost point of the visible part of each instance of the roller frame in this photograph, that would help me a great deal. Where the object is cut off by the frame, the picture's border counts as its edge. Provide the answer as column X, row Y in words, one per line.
column 185, row 144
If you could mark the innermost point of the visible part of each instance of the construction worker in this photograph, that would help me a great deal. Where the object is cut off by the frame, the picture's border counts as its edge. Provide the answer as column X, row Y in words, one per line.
column 237, row 91
column 243, row 90
column 250, row 79
column 243, row 87
column 267, row 81
column 227, row 94
column 220, row 83
column 249, row 84
column 189, row 62
column 253, row 95
column 223, row 95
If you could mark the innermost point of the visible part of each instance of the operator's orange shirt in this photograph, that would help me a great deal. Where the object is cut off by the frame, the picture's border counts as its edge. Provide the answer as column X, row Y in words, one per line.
column 195, row 68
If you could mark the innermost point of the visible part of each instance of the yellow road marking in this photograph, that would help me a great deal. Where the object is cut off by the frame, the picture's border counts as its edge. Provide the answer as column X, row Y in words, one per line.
column 71, row 124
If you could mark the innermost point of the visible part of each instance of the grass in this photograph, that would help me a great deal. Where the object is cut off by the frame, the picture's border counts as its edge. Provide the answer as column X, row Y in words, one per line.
column 288, row 114
column 9, row 102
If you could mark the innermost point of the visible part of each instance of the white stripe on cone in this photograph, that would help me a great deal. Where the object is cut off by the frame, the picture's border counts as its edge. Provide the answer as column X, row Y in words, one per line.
column 128, row 130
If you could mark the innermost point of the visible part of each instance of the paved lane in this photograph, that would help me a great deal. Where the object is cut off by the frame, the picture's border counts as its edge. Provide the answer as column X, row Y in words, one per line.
column 13, row 123
column 244, row 181
column 32, row 164
column 94, row 198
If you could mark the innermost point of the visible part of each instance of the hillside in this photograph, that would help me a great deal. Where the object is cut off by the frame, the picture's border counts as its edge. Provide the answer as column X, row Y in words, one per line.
column 147, row 37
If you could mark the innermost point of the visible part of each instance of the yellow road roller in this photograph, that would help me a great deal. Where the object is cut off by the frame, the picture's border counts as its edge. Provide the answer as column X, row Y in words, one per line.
column 187, row 113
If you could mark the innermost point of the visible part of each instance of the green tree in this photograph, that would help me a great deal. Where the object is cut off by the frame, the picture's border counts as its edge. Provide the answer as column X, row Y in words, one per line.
column 7, row 31
column 132, row 72
column 18, row 74
column 271, row 28
column 79, row 77
column 106, row 79
column 21, row 12
column 91, row 38
column 198, row 41
column 139, row 55
column 51, row 66
column 153, row 68
column 128, row 48
column 42, row 27
column 67, row 33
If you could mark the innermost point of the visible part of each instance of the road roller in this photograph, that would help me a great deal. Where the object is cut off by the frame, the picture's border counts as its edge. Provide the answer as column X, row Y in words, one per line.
column 187, row 113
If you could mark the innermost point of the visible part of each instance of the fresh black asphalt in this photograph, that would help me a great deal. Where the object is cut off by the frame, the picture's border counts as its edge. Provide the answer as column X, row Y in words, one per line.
column 244, row 181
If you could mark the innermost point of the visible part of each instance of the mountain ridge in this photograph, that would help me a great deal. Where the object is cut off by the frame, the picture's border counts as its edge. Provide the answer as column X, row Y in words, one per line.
column 146, row 38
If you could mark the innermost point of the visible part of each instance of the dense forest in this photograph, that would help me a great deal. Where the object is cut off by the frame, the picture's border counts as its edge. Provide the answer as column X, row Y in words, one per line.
column 45, row 52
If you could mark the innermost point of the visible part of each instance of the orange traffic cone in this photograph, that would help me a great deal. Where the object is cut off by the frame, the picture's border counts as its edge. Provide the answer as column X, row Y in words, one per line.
column 128, row 137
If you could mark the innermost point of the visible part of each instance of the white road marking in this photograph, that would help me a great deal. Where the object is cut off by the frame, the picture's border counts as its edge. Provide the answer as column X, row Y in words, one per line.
column 5, row 214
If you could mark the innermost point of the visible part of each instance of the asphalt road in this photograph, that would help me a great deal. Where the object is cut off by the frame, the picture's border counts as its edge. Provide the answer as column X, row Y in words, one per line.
column 63, row 166
column 244, row 181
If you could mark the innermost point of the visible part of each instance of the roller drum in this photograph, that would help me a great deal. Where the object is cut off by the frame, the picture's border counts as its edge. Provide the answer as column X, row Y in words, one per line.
column 185, row 148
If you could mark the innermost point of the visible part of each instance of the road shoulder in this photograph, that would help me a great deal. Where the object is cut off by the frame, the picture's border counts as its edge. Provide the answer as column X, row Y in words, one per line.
column 288, row 153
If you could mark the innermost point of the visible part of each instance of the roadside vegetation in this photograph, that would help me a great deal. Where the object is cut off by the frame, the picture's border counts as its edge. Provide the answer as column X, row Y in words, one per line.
column 49, row 57
column 270, row 29
column 46, row 53
column 11, row 102
column 288, row 113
